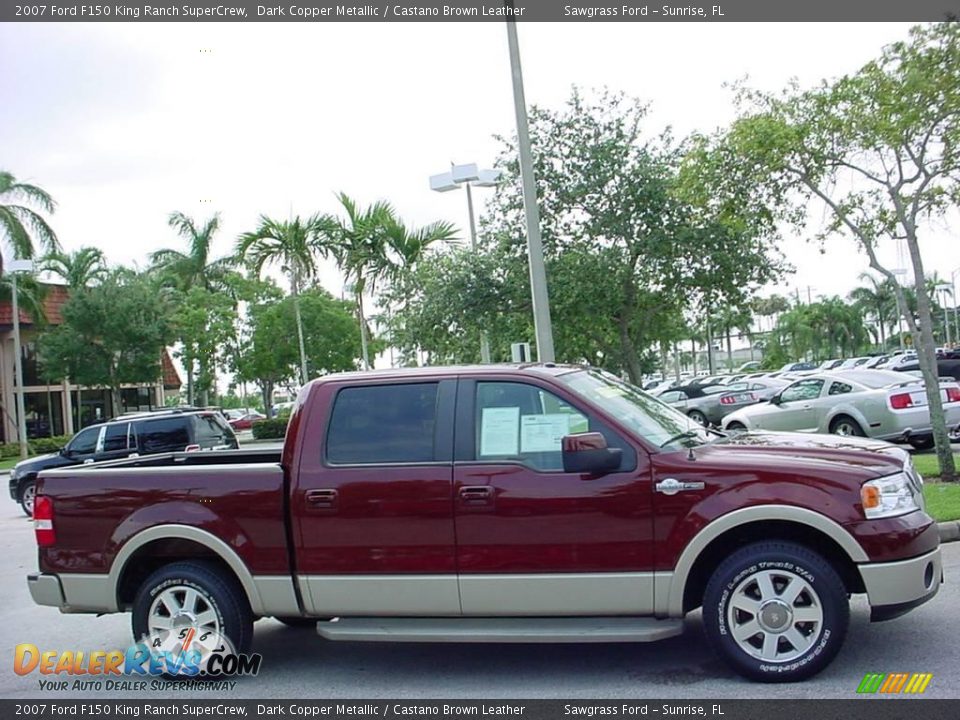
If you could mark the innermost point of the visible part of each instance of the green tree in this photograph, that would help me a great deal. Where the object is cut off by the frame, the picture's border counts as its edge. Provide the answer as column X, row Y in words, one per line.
column 20, row 223
column 296, row 246
column 879, row 298
column 880, row 149
column 79, row 268
column 204, row 322
column 112, row 334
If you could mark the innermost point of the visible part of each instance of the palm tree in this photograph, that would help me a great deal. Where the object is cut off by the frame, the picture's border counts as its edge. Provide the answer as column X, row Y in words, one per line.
column 194, row 267
column 296, row 247
column 78, row 269
column 879, row 298
column 371, row 244
column 20, row 224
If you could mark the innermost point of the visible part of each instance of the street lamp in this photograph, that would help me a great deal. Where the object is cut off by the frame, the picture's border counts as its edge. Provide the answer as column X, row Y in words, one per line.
column 945, row 289
column 468, row 176
column 18, row 266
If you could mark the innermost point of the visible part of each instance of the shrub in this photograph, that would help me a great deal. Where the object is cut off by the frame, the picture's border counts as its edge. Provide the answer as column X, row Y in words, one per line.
column 38, row 446
column 9, row 450
column 270, row 429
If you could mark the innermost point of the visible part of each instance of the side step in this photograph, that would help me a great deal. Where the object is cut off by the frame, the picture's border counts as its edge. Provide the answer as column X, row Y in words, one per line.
column 500, row 630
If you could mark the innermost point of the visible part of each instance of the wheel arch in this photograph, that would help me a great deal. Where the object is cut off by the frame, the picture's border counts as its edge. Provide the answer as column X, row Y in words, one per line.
column 164, row 544
column 851, row 412
column 721, row 537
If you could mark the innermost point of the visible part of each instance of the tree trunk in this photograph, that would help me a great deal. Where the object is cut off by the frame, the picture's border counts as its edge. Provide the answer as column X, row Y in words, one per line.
column 729, row 352
column 115, row 400
column 676, row 361
column 693, row 355
column 364, row 346
column 189, row 365
column 630, row 358
column 709, row 348
column 266, row 392
column 294, row 284
column 926, row 354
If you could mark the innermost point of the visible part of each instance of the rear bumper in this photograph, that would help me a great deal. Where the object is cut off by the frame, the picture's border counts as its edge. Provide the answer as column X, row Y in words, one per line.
column 45, row 589
column 894, row 588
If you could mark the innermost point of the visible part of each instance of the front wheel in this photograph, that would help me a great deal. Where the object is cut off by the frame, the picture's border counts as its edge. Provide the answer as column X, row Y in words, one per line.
column 698, row 417
column 844, row 425
column 922, row 443
column 28, row 493
column 776, row 611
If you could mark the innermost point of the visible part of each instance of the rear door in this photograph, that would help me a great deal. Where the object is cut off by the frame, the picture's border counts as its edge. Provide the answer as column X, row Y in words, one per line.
column 116, row 442
column 531, row 538
column 372, row 507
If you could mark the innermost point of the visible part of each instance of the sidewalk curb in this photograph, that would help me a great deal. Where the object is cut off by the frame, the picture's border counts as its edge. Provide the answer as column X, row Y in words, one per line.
column 949, row 531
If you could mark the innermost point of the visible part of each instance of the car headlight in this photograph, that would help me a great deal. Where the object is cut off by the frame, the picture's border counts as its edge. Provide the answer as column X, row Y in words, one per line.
column 888, row 497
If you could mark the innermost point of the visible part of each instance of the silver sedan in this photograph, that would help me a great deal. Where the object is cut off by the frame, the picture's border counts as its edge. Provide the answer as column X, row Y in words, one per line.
column 873, row 403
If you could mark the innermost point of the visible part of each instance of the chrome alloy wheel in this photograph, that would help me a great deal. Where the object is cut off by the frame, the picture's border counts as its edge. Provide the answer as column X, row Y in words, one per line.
column 183, row 618
column 775, row 615
column 27, row 497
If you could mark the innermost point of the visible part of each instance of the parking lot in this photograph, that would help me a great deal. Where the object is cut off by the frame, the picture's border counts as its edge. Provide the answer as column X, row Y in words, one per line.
column 297, row 664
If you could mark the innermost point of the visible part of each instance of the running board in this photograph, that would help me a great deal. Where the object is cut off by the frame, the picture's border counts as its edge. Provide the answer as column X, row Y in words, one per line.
column 500, row 630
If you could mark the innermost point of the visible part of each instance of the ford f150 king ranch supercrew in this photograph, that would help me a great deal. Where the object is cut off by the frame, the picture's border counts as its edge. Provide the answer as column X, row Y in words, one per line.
column 533, row 503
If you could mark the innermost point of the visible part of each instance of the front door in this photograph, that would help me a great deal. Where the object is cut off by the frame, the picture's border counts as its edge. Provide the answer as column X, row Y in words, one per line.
column 795, row 410
column 531, row 538
column 372, row 509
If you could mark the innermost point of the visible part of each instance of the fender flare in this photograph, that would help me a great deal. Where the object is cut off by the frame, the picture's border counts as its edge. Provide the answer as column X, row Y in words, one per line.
column 671, row 602
column 185, row 532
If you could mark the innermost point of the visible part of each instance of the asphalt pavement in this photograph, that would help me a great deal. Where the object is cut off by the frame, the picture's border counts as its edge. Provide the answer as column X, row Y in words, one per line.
column 298, row 664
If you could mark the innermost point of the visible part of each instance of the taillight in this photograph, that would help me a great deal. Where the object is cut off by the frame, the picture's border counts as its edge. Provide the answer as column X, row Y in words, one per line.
column 901, row 401
column 191, row 448
column 953, row 394
column 732, row 400
column 43, row 521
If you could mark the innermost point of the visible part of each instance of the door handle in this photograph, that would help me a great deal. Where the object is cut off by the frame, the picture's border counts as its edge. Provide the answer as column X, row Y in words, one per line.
column 476, row 495
column 322, row 499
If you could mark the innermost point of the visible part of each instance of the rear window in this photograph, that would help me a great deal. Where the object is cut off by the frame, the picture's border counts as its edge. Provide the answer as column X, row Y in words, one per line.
column 164, row 435
column 212, row 430
column 383, row 424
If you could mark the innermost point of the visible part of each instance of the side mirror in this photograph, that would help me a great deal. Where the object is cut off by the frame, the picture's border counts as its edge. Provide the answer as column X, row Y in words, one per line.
column 63, row 451
column 776, row 400
column 588, row 453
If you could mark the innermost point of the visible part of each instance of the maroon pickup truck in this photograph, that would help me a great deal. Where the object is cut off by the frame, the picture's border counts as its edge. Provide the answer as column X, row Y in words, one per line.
column 533, row 503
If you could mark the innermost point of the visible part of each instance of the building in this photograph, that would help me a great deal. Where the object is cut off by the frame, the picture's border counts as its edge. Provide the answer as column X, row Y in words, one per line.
column 62, row 408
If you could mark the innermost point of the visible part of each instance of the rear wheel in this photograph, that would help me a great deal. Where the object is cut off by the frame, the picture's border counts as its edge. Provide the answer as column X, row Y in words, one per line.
column 845, row 425
column 193, row 603
column 698, row 417
column 922, row 443
column 776, row 611
column 28, row 493
column 736, row 427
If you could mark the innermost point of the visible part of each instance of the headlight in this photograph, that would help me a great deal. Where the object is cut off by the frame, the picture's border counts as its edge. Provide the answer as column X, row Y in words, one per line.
column 888, row 497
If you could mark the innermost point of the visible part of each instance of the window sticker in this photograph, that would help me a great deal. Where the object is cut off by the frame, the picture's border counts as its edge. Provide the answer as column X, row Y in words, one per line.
column 499, row 430
column 542, row 433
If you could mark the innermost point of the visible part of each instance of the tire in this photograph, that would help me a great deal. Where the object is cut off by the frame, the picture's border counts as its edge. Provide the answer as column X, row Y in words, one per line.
column 299, row 623
column 846, row 425
column 736, row 427
column 698, row 417
column 783, row 648
column 922, row 443
column 28, row 492
column 217, row 596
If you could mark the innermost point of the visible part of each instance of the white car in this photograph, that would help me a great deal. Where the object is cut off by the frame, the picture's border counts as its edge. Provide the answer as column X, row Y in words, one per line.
column 873, row 403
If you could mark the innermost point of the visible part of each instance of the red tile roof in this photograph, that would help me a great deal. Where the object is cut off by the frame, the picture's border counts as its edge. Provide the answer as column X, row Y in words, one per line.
column 57, row 296
column 171, row 378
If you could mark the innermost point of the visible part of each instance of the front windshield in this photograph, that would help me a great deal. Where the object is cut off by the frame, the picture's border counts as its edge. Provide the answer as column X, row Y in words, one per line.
column 659, row 424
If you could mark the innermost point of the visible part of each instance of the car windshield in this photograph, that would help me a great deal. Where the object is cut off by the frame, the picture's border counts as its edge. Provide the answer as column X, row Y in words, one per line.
column 653, row 420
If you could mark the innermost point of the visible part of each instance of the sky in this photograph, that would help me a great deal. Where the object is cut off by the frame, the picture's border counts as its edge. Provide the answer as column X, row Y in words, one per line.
column 124, row 123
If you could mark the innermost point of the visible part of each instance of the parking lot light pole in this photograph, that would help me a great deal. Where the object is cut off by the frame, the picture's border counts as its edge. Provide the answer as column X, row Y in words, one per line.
column 468, row 176
column 945, row 290
column 538, row 274
column 18, row 266
column 956, row 305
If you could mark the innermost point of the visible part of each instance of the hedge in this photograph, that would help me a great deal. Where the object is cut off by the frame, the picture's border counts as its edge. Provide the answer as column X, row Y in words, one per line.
column 37, row 446
column 270, row 429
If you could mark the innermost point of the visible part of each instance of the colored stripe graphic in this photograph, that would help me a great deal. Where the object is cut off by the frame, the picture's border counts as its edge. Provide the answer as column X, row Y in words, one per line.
column 894, row 683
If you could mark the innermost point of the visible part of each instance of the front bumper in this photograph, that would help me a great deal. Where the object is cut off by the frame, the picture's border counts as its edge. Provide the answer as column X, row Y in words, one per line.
column 895, row 588
column 45, row 589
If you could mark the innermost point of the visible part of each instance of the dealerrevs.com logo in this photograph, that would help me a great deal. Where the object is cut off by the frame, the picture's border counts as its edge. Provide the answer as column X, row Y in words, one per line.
column 203, row 658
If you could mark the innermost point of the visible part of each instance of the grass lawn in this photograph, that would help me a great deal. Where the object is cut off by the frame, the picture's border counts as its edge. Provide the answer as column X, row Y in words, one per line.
column 943, row 500
column 8, row 463
column 927, row 464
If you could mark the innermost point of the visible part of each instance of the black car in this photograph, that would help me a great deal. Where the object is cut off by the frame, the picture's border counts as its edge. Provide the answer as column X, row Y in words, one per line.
column 138, row 434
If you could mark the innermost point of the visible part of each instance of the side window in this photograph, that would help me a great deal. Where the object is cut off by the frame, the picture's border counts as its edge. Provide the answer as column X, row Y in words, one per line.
column 802, row 390
column 383, row 424
column 839, row 388
column 85, row 441
column 115, row 437
column 520, row 422
column 166, row 435
column 673, row 396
